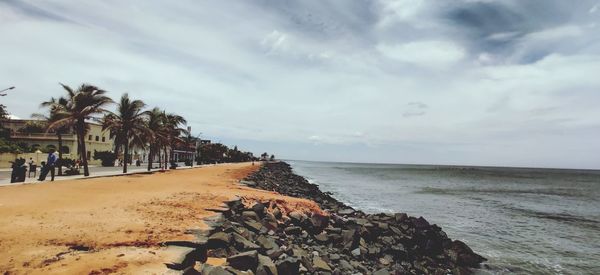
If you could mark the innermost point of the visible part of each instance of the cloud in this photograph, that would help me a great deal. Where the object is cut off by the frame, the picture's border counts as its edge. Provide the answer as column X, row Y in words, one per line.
column 431, row 54
column 509, row 82
column 415, row 109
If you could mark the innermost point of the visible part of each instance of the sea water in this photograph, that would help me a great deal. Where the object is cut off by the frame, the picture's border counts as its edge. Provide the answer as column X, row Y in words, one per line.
column 524, row 220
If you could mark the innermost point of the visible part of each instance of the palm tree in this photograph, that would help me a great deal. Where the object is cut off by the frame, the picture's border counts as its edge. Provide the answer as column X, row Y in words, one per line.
column 127, row 125
column 173, row 132
column 82, row 104
column 155, row 124
column 57, row 107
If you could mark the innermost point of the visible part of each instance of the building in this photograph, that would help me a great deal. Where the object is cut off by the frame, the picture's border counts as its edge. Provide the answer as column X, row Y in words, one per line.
column 95, row 139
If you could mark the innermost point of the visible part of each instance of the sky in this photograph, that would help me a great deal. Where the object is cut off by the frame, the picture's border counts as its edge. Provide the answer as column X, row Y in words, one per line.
column 459, row 82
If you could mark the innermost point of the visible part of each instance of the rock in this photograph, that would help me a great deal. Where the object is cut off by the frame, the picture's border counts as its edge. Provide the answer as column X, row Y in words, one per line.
column 259, row 209
column 277, row 213
column 387, row 240
column 421, row 223
column 346, row 211
column 234, row 271
column 266, row 266
column 253, row 226
column 243, row 244
column 213, row 270
column 398, row 250
column 218, row 240
column 249, row 183
column 320, row 265
column 306, row 263
column 250, row 215
column 334, row 257
column 463, row 255
column 350, row 239
column 382, row 271
column 396, row 230
column 373, row 243
column 360, row 267
column 288, row 266
column 299, row 253
column 244, row 261
column 319, row 222
column 373, row 250
column 266, row 243
column 400, row 217
column 297, row 217
column 293, row 230
column 386, row 260
column 275, row 253
column 345, row 265
column 322, row 238
column 383, row 226
column 333, row 230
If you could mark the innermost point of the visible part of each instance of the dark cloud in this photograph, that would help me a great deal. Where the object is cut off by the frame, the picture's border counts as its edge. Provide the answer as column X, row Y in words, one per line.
column 500, row 27
column 327, row 19
column 33, row 10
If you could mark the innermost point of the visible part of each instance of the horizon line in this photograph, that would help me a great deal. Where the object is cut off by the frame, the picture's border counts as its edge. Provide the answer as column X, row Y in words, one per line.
column 451, row 165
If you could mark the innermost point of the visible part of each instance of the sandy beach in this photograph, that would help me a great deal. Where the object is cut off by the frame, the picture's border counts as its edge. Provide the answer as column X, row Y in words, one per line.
column 114, row 224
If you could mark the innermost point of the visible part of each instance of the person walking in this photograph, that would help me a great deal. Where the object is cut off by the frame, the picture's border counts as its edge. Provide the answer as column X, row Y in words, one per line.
column 32, row 168
column 49, row 167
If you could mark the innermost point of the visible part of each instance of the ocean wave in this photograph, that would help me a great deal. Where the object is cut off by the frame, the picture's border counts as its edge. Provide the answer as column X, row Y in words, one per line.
column 563, row 192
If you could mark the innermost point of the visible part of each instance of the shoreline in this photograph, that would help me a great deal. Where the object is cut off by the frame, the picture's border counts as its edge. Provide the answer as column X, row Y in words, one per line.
column 268, row 238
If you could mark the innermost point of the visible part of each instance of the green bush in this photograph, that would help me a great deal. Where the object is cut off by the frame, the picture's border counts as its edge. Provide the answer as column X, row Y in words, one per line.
column 7, row 146
column 107, row 157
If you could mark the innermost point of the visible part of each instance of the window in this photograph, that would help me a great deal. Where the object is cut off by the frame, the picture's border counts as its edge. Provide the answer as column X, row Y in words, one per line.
column 90, row 137
column 97, row 138
column 89, row 154
column 65, row 149
column 103, row 139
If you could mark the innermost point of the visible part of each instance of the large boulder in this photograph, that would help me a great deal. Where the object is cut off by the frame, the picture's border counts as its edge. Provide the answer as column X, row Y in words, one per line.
column 462, row 255
column 266, row 266
column 243, row 244
column 288, row 266
column 319, row 222
column 244, row 261
column 218, row 240
column 266, row 243
column 320, row 265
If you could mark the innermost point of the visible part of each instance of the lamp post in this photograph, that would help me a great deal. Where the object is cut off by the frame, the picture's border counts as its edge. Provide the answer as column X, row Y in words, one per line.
column 9, row 88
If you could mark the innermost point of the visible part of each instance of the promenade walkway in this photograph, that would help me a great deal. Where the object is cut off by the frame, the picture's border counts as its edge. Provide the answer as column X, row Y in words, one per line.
column 95, row 171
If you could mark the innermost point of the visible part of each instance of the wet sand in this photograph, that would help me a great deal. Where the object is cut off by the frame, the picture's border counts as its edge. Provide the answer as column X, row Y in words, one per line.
column 114, row 224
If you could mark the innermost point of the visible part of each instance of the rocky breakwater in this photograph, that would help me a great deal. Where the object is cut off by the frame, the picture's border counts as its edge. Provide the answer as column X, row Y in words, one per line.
column 267, row 237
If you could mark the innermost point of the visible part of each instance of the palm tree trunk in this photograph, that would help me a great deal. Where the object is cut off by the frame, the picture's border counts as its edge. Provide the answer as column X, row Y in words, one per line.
column 166, row 159
column 159, row 157
column 149, row 158
column 59, row 153
column 81, row 136
column 125, row 155
column 171, row 153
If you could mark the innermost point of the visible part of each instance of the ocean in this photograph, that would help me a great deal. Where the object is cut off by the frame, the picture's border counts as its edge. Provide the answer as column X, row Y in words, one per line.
column 524, row 220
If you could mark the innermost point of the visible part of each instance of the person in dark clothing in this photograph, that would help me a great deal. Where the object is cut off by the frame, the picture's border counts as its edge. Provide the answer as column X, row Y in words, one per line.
column 19, row 169
column 49, row 167
column 15, row 170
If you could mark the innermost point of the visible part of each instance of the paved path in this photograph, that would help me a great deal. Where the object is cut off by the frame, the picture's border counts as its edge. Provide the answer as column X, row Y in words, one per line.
column 95, row 171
